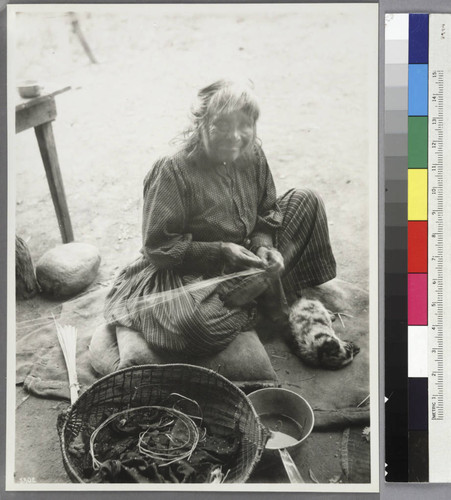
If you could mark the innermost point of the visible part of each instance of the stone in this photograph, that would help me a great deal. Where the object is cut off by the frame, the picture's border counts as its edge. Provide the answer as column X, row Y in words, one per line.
column 67, row 269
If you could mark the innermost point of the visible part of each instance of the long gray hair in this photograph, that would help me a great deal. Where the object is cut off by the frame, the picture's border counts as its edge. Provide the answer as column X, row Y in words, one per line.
column 221, row 97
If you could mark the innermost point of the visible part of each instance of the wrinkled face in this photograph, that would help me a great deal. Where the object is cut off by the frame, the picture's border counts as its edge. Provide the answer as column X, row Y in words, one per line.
column 228, row 135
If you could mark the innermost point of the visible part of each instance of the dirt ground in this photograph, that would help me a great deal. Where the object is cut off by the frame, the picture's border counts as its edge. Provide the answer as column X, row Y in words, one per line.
column 310, row 68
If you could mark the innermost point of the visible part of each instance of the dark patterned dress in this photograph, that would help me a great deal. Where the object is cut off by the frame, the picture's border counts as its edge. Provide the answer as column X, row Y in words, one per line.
column 190, row 207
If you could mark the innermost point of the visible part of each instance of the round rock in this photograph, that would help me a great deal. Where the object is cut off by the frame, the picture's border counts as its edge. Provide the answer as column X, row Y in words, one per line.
column 68, row 269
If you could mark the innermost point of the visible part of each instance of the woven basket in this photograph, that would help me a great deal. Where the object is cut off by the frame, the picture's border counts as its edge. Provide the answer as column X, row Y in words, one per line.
column 223, row 405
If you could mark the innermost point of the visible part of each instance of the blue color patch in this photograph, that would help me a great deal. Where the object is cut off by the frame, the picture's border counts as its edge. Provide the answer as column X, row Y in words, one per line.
column 418, row 38
column 418, row 90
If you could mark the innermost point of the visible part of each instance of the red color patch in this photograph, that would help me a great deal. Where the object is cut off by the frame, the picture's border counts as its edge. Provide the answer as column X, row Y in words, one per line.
column 417, row 247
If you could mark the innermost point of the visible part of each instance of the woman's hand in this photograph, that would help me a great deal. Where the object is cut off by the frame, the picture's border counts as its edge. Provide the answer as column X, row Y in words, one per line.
column 272, row 259
column 238, row 257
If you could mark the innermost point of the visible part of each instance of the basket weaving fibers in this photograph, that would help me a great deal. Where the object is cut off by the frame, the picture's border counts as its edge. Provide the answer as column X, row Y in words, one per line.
column 224, row 407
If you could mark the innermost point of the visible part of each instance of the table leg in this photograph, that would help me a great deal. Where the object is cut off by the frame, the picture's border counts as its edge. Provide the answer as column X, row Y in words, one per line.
column 46, row 141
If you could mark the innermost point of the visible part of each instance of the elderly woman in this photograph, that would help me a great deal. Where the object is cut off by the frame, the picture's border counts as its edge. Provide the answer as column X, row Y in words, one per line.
column 210, row 209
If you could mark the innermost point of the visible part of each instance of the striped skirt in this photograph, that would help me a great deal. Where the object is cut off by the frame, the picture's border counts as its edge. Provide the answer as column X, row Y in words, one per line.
column 178, row 313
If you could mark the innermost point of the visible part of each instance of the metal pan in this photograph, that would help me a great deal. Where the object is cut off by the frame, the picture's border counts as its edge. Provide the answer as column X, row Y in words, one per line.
column 289, row 419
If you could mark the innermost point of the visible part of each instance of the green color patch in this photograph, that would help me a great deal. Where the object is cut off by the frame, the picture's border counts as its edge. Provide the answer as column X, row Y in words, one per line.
column 418, row 142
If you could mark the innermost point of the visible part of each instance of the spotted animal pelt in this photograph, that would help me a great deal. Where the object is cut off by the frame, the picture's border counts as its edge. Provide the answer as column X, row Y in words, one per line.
column 313, row 338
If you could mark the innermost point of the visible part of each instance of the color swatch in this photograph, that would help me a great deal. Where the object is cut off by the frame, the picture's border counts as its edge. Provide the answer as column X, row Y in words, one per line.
column 417, row 287
column 396, row 227
column 417, row 155
column 406, row 186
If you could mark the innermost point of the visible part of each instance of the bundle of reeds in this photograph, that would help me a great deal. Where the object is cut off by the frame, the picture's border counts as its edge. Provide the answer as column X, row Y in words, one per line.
column 67, row 337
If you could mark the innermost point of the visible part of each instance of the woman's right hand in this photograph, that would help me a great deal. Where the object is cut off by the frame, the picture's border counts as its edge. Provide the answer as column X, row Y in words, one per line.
column 238, row 257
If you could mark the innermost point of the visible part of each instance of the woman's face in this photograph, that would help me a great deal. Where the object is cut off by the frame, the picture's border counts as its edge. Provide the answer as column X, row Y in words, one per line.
column 228, row 135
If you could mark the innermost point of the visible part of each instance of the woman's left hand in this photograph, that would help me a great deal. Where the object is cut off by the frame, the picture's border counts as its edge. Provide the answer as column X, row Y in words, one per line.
column 272, row 259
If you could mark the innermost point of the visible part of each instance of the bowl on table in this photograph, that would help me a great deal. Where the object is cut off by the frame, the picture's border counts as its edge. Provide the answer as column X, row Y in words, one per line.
column 28, row 89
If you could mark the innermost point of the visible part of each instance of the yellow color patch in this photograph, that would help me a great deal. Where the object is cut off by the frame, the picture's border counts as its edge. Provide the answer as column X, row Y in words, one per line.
column 417, row 208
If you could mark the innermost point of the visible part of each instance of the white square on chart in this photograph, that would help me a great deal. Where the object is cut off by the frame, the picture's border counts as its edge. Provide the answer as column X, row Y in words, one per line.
column 396, row 26
column 417, row 351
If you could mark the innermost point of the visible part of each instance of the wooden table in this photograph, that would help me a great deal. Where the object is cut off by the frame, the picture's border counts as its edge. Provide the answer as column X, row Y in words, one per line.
column 39, row 112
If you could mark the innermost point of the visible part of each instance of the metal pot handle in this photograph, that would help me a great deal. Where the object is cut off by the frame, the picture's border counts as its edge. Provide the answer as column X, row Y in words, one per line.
column 290, row 467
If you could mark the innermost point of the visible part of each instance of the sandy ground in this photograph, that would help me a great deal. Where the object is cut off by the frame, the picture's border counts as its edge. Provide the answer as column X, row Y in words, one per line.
column 310, row 67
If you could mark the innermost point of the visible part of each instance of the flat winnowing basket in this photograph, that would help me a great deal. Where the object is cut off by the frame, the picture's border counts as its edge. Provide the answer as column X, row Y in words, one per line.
column 224, row 407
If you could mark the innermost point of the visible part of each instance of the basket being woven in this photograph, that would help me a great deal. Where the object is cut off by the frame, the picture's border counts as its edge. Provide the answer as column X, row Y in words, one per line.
column 223, row 406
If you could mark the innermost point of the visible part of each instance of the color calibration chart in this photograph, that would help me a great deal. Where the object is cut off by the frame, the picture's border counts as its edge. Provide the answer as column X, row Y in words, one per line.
column 417, row 156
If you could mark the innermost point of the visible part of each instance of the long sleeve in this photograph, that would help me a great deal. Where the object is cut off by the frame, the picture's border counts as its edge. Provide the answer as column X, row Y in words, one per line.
column 269, row 216
column 165, row 242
